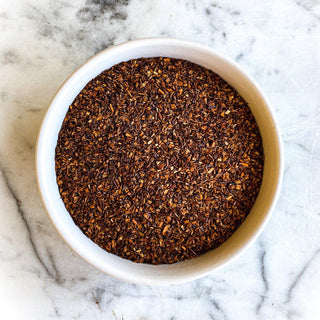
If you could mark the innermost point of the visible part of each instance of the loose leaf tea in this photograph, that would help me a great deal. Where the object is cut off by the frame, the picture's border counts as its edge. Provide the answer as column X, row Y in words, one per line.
column 158, row 160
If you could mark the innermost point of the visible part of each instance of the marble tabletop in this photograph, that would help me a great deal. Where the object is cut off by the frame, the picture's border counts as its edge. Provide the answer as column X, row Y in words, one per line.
column 42, row 42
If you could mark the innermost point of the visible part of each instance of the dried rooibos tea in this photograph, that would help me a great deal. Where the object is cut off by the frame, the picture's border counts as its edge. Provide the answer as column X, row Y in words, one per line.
column 158, row 160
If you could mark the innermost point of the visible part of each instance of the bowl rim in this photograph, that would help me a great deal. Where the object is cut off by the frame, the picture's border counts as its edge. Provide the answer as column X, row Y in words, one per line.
column 129, row 45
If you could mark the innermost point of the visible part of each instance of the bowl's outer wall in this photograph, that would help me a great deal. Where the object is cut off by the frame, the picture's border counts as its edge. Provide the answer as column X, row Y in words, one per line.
column 190, row 269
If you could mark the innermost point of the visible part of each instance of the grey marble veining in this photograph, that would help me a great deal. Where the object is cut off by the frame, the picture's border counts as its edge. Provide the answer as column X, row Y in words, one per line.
column 41, row 43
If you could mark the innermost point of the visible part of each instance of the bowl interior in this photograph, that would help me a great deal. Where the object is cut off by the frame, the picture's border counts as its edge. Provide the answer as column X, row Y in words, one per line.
column 190, row 269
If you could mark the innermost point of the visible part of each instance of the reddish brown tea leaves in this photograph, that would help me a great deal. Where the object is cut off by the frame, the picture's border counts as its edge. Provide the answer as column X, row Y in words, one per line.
column 158, row 160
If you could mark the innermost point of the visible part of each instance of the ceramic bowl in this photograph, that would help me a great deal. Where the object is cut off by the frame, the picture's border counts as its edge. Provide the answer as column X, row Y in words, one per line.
column 203, row 265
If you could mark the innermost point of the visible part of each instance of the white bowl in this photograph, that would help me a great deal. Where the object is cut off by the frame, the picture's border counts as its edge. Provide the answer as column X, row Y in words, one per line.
column 188, row 270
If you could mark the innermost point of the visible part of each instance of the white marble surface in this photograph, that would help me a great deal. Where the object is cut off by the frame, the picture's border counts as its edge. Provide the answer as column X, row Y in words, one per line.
column 42, row 42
